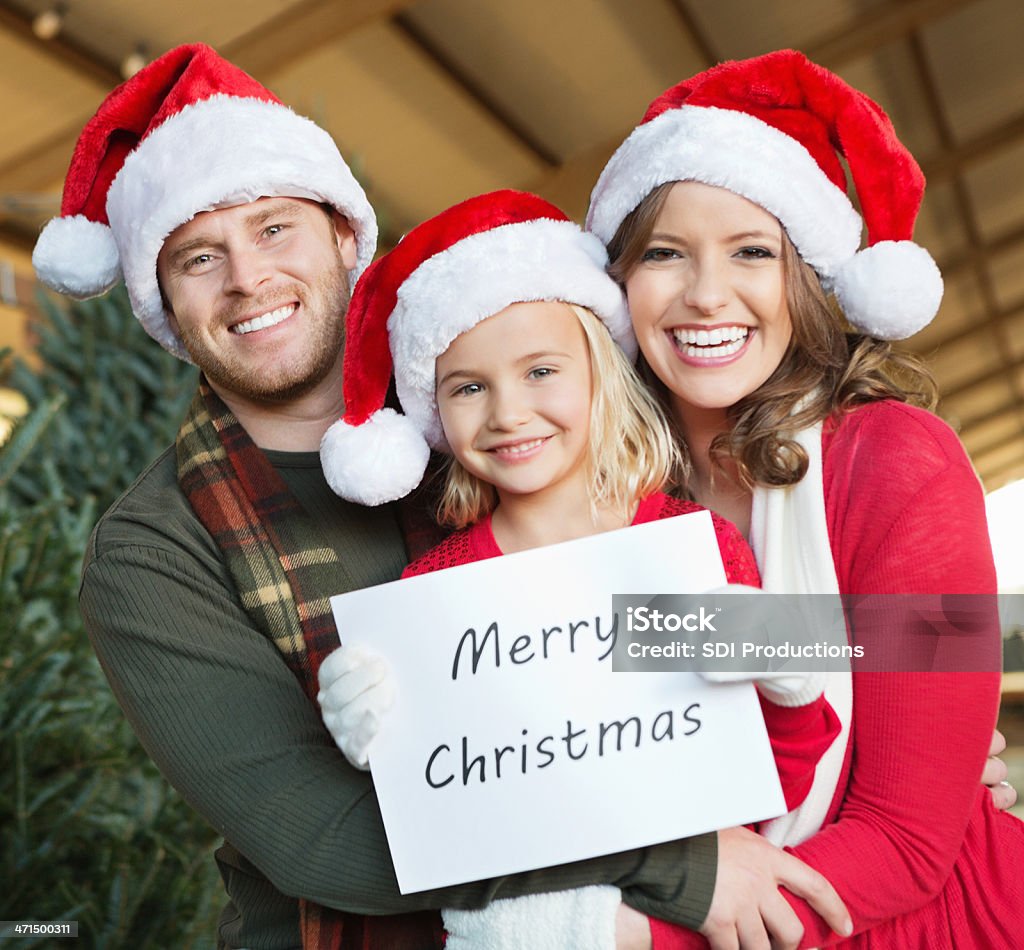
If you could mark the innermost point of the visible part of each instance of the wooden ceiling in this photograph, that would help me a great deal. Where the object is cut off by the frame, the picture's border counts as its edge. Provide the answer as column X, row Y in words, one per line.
column 435, row 100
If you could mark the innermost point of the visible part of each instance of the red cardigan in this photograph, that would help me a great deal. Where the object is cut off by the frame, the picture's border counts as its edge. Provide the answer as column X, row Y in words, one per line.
column 912, row 843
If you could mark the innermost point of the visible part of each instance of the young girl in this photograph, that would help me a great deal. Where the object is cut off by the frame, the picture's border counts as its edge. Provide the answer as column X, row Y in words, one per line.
column 510, row 344
column 726, row 212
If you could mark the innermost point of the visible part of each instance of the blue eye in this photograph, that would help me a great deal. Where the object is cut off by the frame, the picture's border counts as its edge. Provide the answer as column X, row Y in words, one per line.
column 469, row 389
column 541, row 372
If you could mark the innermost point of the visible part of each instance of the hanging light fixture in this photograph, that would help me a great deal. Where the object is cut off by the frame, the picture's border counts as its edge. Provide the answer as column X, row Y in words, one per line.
column 134, row 61
column 47, row 23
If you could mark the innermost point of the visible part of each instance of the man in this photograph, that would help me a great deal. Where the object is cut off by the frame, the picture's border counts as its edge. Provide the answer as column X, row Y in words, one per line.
column 239, row 229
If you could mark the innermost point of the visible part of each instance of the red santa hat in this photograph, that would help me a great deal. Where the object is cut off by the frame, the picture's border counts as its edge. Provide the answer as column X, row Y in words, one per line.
column 772, row 129
column 188, row 133
column 444, row 277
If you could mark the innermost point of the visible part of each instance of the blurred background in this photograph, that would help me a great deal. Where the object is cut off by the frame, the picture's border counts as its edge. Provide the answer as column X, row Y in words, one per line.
column 431, row 101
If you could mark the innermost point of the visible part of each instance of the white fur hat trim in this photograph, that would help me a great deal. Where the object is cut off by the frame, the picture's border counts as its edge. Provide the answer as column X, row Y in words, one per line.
column 481, row 275
column 77, row 256
column 379, row 461
column 220, row 148
column 736, row 151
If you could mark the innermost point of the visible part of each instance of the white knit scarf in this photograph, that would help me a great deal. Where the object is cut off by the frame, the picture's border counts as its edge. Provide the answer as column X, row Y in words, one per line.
column 789, row 536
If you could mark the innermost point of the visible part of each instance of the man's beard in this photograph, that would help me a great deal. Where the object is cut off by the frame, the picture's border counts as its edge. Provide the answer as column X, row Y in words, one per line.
column 326, row 339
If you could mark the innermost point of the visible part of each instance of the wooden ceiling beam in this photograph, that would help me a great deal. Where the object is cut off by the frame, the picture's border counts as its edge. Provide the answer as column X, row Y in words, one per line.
column 993, row 444
column 1009, row 366
column 999, row 475
column 969, row 422
column 983, row 253
column 858, row 37
column 264, row 51
column 698, row 35
column 957, row 158
column 277, row 43
column 985, row 323
column 882, row 25
column 569, row 185
column 989, row 470
column 13, row 236
column 62, row 49
column 429, row 48
column 1006, row 454
column 43, row 165
column 965, row 207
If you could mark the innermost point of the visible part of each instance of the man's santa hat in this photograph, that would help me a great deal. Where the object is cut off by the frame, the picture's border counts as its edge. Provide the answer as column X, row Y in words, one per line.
column 444, row 277
column 188, row 133
column 772, row 129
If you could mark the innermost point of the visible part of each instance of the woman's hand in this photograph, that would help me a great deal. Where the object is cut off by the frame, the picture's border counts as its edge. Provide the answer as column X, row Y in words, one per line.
column 748, row 912
column 1004, row 795
column 356, row 690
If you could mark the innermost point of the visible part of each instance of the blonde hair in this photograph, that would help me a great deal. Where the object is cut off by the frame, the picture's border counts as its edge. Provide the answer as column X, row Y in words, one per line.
column 631, row 450
column 825, row 370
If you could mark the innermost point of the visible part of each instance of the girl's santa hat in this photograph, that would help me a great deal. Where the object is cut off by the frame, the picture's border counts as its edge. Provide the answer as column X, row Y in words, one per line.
column 188, row 133
column 772, row 129
column 444, row 277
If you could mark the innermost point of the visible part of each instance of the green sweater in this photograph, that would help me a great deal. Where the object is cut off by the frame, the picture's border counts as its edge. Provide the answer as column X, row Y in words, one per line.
column 226, row 721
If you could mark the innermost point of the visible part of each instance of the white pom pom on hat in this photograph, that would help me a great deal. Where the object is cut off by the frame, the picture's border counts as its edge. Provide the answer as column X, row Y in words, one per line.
column 186, row 134
column 889, row 290
column 381, row 460
column 444, row 277
column 773, row 129
column 76, row 256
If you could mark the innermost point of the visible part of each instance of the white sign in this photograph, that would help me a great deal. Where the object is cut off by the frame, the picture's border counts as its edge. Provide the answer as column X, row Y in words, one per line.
column 513, row 745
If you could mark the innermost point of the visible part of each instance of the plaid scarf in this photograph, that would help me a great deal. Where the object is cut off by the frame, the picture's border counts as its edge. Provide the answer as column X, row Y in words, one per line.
column 284, row 572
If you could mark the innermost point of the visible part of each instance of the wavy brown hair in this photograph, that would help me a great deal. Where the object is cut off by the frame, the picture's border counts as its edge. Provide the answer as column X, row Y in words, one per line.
column 826, row 369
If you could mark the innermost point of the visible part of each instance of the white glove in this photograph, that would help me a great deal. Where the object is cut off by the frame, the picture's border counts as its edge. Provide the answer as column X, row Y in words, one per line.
column 783, row 689
column 788, row 689
column 356, row 690
column 580, row 919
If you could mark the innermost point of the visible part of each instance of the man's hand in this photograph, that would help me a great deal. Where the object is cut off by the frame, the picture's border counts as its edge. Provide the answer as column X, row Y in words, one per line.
column 747, row 910
column 1004, row 795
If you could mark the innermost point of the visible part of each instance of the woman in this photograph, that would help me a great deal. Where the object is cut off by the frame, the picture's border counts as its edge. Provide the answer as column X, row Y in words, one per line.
column 725, row 212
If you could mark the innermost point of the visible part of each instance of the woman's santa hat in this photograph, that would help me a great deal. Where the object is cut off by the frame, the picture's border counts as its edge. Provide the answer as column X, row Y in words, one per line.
column 772, row 129
column 444, row 277
column 188, row 133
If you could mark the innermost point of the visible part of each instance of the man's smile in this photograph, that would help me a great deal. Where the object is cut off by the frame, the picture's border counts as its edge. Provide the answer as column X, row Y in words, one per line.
column 270, row 319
